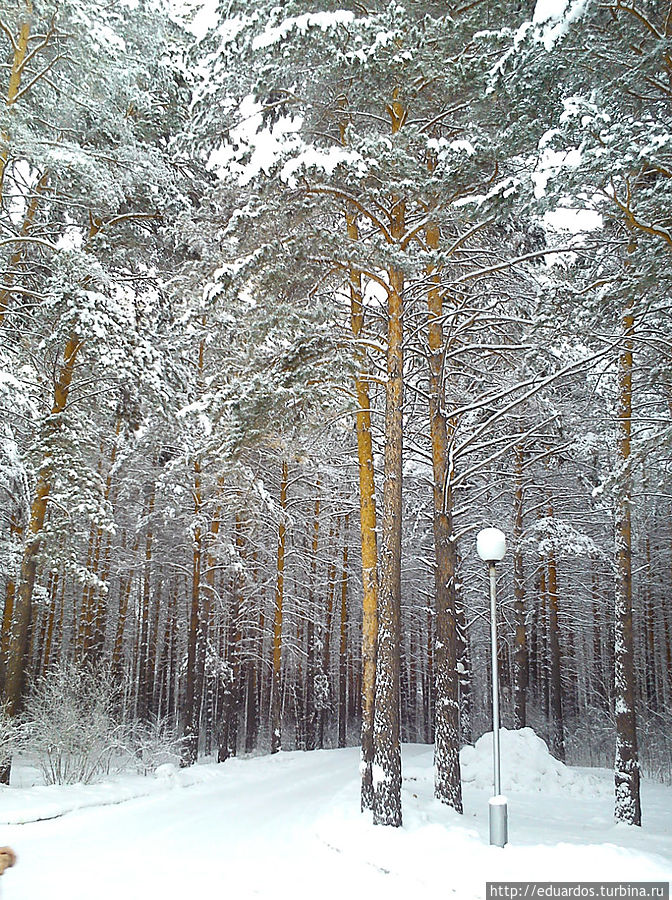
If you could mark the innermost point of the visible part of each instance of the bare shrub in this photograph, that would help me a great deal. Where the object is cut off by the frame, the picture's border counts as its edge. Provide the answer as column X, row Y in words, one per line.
column 154, row 743
column 72, row 723
column 11, row 735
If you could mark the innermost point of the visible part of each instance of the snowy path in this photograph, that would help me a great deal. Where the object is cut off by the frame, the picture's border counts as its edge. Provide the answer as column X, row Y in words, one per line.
column 234, row 832
column 288, row 827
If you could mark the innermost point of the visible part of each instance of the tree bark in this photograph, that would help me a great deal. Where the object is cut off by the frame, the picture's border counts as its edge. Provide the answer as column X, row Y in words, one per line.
column 276, row 692
column 193, row 683
column 311, row 649
column 556, row 701
column 387, row 748
column 20, row 47
column 20, row 631
column 447, row 781
column 520, row 662
column 627, row 804
column 367, row 519
column 343, row 645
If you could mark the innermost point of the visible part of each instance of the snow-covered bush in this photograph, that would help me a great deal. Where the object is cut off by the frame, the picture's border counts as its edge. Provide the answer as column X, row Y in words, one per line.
column 590, row 737
column 72, row 723
column 10, row 737
column 153, row 744
column 655, row 735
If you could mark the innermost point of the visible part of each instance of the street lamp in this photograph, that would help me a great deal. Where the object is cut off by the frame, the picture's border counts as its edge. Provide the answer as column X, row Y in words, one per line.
column 491, row 547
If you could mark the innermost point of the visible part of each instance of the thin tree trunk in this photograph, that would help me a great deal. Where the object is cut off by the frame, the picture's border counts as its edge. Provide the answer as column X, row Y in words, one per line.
column 51, row 623
column 343, row 645
column 28, row 221
column 556, row 701
column 20, row 47
column 598, row 675
column 328, row 630
column 463, row 666
column 143, row 645
column 627, row 804
column 430, row 718
column 15, row 532
column 231, row 705
column 193, row 684
column 276, row 694
column 125, row 586
column 311, row 649
column 543, row 669
column 520, row 671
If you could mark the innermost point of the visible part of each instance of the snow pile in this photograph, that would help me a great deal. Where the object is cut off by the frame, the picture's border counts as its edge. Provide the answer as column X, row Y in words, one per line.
column 527, row 765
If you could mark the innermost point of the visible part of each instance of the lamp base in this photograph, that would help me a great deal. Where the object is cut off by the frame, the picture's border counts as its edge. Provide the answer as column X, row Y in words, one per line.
column 499, row 820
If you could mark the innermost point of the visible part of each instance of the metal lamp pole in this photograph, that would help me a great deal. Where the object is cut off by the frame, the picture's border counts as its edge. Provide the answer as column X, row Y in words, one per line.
column 491, row 547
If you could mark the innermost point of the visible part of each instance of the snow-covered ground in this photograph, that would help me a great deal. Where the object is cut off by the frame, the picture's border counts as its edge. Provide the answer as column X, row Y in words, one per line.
column 288, row 826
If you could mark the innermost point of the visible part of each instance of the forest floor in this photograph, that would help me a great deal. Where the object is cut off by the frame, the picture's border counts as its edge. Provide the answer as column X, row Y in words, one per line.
column 288, row 826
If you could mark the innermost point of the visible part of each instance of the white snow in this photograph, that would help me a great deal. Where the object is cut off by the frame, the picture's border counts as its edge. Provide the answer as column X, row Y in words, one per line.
column 574, row 221
column 553, row 18
column 325, row 160
column 323, row 20
column 527, row 766
column 546, row 10
column 289, row 826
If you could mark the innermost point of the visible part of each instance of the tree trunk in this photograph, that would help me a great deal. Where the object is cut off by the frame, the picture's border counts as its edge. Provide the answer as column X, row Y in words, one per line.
column 627, row 805
column 15, row 532
column 343, row 645
column 20, row 631
column 231, row 707
column 520, row 675
column 556, row 702
column 143, row 646
column 328, row 631
column 276, row 693
column 125, row 586
column 387, row 748
column 463, row 667
column 311, row 649
column 20, row 47
column 447, row 781
column 367, row 519
column 193, row 684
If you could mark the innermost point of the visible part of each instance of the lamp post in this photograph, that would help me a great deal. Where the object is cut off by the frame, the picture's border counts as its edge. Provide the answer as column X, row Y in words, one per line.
column 491, row 547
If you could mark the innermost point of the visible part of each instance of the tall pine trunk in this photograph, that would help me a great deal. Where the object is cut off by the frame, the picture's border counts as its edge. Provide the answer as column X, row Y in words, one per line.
column 343, row 646
column 276, row 686
column 311, row 629
column 367, row 519
column 555, row 694
column 447, row 781
column 19, row 61
column 23, row 607
column 520, row 675
column 386, row 738
column 627, row 805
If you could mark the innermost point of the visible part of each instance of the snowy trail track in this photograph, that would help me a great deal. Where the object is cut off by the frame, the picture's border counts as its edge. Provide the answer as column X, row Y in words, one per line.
column 288, row 826
column 226, row 833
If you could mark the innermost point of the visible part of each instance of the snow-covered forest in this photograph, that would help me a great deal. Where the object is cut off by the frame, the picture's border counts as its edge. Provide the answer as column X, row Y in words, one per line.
column 294, row 300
